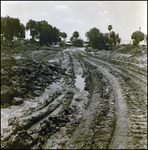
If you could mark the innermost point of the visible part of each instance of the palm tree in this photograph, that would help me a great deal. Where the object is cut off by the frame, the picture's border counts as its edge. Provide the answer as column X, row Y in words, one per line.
column 76, row 34
column 63, row 35
column 110, row 28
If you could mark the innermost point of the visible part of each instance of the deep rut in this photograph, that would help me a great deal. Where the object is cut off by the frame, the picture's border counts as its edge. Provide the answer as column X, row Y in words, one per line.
column 133, row 132
column 120, row 138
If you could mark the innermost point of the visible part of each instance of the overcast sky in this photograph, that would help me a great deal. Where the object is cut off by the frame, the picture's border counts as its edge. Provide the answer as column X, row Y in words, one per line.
column 69, row 16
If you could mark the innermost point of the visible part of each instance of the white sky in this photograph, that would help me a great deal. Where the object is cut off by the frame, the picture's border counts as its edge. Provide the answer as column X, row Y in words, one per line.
column 69, row 16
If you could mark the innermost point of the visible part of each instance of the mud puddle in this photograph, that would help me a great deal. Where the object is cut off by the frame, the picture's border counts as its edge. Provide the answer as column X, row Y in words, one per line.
column 79, row 82
column 55, row 112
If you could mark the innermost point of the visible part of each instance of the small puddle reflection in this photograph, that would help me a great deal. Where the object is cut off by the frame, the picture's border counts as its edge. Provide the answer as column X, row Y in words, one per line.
column 79, row 82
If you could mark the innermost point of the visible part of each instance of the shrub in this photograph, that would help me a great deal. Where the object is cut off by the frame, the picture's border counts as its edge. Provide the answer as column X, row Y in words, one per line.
column 61, row 44
column 137, row 37
column 77, row 42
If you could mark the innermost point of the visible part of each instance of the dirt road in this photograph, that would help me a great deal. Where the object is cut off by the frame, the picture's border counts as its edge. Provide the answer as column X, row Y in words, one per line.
column 96, row 100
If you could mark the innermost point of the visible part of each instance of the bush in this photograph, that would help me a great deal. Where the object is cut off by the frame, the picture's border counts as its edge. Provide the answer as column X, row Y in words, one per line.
column 137, row 37
column 61, row 44
column 77, row 42
column 7, row 94
column 135, row 43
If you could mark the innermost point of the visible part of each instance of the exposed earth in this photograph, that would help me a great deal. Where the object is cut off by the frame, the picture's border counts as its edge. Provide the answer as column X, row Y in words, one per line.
column 75, row 98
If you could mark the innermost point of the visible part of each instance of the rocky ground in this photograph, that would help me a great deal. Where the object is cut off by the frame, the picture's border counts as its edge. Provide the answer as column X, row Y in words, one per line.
column 74, row 98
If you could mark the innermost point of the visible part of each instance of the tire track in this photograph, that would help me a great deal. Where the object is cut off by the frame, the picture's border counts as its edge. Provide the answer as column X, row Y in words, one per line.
column 122, row 67
column 109, row 113
column 136, row 110
column 120, row 138
column 96, row 118
column 117, row 69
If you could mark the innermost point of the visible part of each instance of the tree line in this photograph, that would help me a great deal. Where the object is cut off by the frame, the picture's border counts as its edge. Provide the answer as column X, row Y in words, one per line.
column 100, row 40
column 42, row 31
column 11, row 28
column 46, row 34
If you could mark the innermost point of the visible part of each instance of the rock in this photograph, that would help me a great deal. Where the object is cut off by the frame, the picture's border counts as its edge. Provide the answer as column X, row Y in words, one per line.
column 8, row 61
column 71, row 111
column 78, row 99
column 22, row 133
column 32, row 75
column 7, row 94
column 5, row 80
column 17, row 101
column 15, row 78
column 27, row 80
column 23, row 85
column 19, row 91
column 62, row 124
column 39, row 83
column 3, row 72
column 38, row 88
column 37, row 92
column 57, row 128
column 14, row 68
column 15, row 83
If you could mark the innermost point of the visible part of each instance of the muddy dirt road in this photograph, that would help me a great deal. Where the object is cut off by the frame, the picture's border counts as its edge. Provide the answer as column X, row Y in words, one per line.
column 94, row 100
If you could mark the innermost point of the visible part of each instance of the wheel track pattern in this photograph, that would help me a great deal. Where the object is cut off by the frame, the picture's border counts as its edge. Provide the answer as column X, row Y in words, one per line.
column 124, row 67
column 39, row 133
column 96, row 119
column 102, row 120
column 115, row 116
column 136, row 109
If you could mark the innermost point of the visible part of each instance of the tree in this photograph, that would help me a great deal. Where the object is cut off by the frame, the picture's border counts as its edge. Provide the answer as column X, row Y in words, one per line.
column 76, row 34
column 107, row 40
column 146, row 38
column 92, row 34
column 113, row 37
column 12, row 28
column 118, row 40
column 101, row 41
column 55, row 35
column 19, row 29
column 137, row 37
column 110, row 27
column 63, row 35
column 98, row 42
column 77, row 42
column 71, row 38
column 32, row 26
column 96, row 38
column 44, row 32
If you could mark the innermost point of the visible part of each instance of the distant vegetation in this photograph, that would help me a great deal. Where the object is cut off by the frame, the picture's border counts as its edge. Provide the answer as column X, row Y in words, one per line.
column 40, row 31
column 11, row 28
column 75, row 40
column 100, row 40
column 43, row 33
column 137, row 37
column 63, row 36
